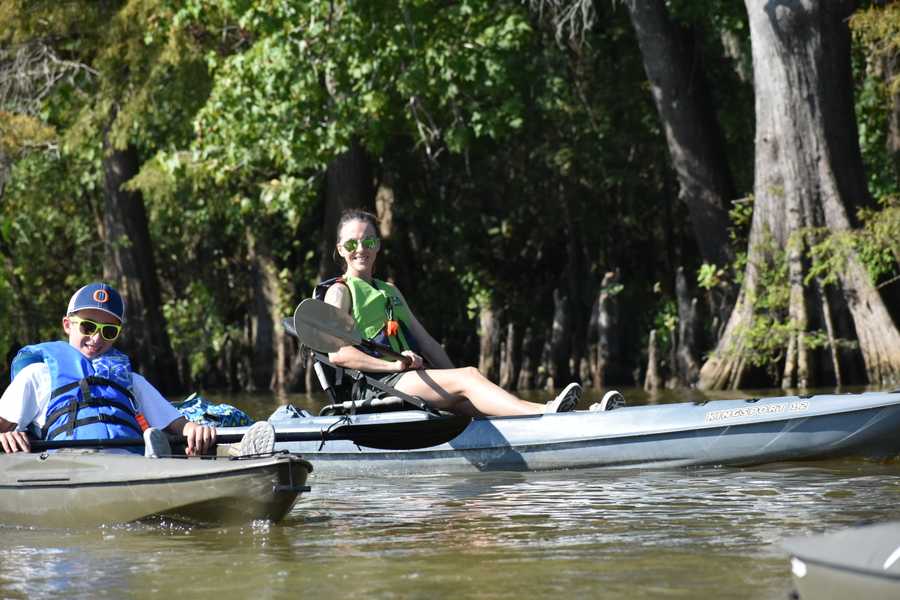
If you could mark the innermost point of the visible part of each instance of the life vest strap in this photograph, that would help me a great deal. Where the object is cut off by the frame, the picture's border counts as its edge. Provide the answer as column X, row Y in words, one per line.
column 91, row 380
column 71, row 409
column 69, row 427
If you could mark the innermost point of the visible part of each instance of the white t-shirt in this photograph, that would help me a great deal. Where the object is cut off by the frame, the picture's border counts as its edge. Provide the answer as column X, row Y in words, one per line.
column 25, row 400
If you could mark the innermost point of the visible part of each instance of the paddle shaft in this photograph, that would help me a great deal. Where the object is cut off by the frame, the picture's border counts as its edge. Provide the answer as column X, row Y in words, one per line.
column 402, row 435
column 178, row 440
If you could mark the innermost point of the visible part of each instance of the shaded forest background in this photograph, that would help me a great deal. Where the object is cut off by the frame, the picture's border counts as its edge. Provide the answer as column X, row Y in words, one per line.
column 566, row 189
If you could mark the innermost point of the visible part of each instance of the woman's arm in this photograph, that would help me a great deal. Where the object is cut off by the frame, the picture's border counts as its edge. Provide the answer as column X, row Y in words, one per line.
column 339, row 296
column 432, row 350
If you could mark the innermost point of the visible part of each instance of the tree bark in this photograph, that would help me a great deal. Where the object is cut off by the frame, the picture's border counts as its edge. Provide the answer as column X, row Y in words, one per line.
column 652, row 381
column 686, row 363
column 560, row 340
column 508, row 358
column 348, row 184
column 695, row 141
column 607, row 364
column 489, row 342
column 526, row 379
column 129, row 262
column 808, row 174
column 268, row 362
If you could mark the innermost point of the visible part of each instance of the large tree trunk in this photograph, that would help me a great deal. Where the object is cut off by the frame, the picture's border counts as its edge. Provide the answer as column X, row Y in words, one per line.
column 129, row 262
column 559, row 345
column 348, row 184
column 693, row 134
column 269, row 361
column 808, row 173
column 489, row 332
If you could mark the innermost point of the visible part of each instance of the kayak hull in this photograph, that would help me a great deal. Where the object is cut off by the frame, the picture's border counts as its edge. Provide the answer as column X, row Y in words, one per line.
column 722, row 432
column 860, row 562
column 82, row 489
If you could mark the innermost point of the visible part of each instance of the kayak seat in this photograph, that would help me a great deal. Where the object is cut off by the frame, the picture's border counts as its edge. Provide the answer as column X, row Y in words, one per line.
column 338, row 382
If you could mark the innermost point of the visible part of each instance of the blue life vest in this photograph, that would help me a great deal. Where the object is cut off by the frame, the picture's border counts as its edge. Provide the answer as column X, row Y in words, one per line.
column 91, row 399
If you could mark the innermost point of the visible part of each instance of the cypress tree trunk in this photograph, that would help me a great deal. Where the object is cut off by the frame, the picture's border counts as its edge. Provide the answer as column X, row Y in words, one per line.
column 808, row 174
column 489, row 342
column 508, row 358
column 348, row 184
column 268, row 360
column 686, row 367
column 527, row 375
column 560, row 340
column 695, row 141
column 130, row 264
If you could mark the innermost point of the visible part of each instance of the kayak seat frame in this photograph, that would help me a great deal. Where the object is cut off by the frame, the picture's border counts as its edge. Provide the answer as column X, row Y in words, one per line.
column 338, row 383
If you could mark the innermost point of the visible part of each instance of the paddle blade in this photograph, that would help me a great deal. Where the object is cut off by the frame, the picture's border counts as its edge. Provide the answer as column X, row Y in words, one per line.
column 403, row 435
column 288, row 325
column 324, row 327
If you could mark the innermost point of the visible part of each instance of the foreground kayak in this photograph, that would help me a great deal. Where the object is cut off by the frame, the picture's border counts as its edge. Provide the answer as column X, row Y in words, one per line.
column 722, row 432
column 861, row 562
column 82, row 489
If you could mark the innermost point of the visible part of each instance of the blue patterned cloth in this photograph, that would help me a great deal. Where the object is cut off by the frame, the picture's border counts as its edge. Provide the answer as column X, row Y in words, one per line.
column 198, row 410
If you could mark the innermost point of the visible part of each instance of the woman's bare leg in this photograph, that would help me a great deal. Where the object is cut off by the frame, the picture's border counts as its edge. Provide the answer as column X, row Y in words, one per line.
column 464, row 391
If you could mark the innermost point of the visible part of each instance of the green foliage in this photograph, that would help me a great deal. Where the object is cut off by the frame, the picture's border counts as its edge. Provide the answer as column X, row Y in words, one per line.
column 878, row 243
column 197, row 334
column 765, row 338
column 665, row 322
column 518, row 166
column 710, row 276
column 876, row 36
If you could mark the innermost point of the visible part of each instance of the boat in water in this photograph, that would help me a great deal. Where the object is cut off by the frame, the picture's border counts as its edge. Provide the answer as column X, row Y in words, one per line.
column 712, row 433
column 859, row 562
column 78, row 488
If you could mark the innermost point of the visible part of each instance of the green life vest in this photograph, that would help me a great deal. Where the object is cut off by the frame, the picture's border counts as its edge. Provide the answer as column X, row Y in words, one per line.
column 373, row 306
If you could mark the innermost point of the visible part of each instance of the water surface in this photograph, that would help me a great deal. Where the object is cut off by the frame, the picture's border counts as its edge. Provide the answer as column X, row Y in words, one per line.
column 570, row 534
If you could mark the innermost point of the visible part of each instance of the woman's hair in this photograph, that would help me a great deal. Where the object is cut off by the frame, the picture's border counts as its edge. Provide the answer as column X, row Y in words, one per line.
column 355, row 214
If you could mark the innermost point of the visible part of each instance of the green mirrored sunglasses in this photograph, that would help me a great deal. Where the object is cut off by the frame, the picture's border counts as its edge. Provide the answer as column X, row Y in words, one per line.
column 369, row 243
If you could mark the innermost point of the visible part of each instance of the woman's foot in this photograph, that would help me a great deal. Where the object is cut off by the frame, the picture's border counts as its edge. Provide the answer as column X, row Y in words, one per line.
column 566, row 401
column 611, row 400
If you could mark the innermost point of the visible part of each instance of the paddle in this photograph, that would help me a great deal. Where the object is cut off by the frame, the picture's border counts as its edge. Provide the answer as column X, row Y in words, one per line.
column 384, row 435
column 326, row 328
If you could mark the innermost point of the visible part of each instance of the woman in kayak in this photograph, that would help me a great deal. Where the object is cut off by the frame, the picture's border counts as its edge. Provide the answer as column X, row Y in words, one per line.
column 382, row 314
column 85, row 389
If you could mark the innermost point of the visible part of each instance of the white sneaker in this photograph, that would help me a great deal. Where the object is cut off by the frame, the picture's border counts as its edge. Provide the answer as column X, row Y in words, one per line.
column 259, row 439
column 566, row 401
column 156, row 443
column 611, row 401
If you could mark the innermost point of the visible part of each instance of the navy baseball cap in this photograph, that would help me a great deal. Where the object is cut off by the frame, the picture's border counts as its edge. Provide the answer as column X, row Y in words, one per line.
column 99, row 296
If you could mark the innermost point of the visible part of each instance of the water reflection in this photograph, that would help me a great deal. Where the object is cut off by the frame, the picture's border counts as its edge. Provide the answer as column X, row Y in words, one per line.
column 590, row 533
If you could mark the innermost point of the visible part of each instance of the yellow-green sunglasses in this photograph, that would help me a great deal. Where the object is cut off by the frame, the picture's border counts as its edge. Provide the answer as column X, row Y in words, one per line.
column 88, row 327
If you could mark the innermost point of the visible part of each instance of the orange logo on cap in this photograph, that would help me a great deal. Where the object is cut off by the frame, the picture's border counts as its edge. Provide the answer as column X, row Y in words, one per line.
column 101, row 296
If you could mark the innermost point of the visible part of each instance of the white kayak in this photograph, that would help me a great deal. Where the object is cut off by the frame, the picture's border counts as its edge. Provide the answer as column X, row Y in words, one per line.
column 721, row 432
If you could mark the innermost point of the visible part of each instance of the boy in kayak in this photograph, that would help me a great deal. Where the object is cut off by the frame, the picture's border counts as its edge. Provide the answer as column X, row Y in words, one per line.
column 85, row 388
column 381, row 313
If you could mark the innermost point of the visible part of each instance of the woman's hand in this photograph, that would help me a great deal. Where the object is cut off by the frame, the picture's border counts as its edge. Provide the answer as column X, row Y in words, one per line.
column 415, row 361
